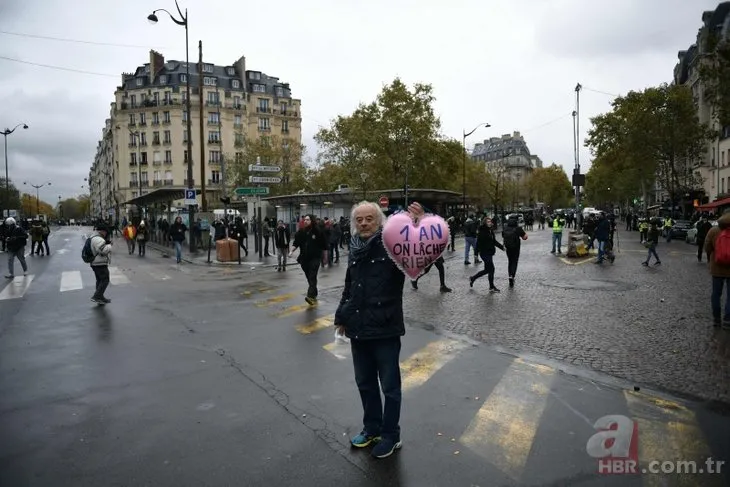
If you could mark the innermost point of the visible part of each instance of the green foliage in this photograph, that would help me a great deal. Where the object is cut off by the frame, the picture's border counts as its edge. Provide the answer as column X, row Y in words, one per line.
column 714, row 71
column 75, row 208
column 9, row 199
column 550, row 185
column 649, row 136
column 395, row 134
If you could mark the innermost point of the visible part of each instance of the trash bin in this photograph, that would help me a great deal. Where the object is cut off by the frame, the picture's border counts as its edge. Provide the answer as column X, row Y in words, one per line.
column 222, row 251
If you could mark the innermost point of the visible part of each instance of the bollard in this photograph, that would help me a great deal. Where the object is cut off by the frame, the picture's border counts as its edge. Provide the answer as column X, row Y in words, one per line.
column 238, row 246
column 209, row 246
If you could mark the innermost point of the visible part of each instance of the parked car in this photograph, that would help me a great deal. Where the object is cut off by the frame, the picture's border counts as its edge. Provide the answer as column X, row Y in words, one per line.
column 692, row 233
column 519, row 216
column 680, row 229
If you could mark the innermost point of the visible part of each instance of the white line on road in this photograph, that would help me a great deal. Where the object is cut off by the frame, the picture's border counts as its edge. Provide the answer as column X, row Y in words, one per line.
column 71, row 281
column 16, row 288
column 116, row 277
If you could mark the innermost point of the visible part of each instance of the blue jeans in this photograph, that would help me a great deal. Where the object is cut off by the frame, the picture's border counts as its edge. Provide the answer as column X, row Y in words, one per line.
column 471, row 242
column 375, row 359
column 178, row 251
column 652, row 251
column 20, row 254
column 717, row 284
column 601, row 250
column 557, row 239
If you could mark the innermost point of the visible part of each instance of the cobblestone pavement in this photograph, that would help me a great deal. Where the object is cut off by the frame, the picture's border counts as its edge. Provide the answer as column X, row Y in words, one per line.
column 650, row 325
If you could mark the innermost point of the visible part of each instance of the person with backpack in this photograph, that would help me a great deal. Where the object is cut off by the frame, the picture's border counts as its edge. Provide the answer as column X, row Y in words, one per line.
column 717, row 248
column 282, row 237
column 97, row 252
column 470, row 237
column 15, row 239
column 486, row 245
column 651, row 242
column 512, row 235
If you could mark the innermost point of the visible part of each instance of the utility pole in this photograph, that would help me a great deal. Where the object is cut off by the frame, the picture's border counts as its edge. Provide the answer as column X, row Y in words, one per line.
column 203, row 199
column 576, row 173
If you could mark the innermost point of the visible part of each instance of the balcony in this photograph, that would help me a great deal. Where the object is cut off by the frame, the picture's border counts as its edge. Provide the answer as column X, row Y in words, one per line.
column 167, row 142
column 237, row 126
column 264, row 129
column 145, row 184
column 132, row 163
column 168, row 163
column 169, row 102
column 157, row 183
column 185, row 142
column 143, row 143
column 156, row 142
column 156, row 163
column 210, row 103
column 284, row 131
column 155, row 122
column 132, row 124
column 167, row 182
column 214, row 181
column 263, row 110
column 214, row 161
column 166, row 122
column 142, row 123
column 237, row 106
column 214, row 141
column 238, row 144
column 133, row 184
column 143, row 163
column 212, row 123
column 185, row 183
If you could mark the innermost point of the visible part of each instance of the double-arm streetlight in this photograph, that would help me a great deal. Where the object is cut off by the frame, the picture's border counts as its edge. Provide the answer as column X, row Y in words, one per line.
column 184, row 22
column 463, row 144
column 37, row 195
column 5, row 133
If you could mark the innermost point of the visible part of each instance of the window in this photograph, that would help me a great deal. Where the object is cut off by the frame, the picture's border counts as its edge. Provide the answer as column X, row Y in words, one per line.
column 168, row 175
column 155, row 118
column 285, row 126
column 236, row 84
column 215, row 177
column 239, row 139
column 142, row 119
column 263, row 105
column 239, row 157
column 183, row 78
column 185, row 135
column 279, row 91
column 156, row 157
column 134, row 194
column 259, row 88
column 133, row 100
column 264, row 124
column 156, row 97
column 283, row 108
column 143, row 138
column 168, row 98
column 213, row 97
column 214, row 117
column 155, row 137
column 185, row 116
column 207, row 81
column 133, row 158
column 134, row 177
column 214, row 136
column 143, row 159
column 140, row 81
column 237, row 120
column 230, row 71
column 184, row 97
column 214, row 156
column 163, row 79
column 168, row 137
column 254, row 75
column 156, row 175
column 207, row 68
column 237, row 102
column 132, row 139
column 131, row 119
column 168, row 156
column 185, row 156
column 166, row 117
column 143, row 177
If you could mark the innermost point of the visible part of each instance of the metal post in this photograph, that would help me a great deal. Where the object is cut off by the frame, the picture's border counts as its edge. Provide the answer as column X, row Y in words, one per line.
column 463, row 170
column 191, row 208
column 7, row 180
column 259, row 225
column 203, row 199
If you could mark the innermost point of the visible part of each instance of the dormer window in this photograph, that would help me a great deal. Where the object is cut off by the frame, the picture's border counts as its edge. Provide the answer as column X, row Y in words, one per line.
column 207, row 81
column 207, row 68
column 183, row 78
column 140, row 81
column 163, row 79
column 279, row 91
column 254, row 75
column 231, row 71
column 236, row 84
column 259, row 88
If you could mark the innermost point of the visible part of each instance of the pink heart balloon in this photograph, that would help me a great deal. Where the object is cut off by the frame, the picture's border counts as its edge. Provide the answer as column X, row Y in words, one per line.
column 413, row 248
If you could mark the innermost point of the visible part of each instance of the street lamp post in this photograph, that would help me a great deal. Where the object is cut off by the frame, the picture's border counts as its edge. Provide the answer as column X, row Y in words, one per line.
column 5, row 133
column 463, row 145
column 184, row 22
column 37, row 195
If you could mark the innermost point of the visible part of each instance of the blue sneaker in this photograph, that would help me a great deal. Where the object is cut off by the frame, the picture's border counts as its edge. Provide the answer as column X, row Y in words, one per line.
column 385, row 448
column 364, row 439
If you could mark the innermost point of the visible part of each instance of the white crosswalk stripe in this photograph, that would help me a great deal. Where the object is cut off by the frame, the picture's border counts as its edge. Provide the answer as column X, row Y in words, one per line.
column 71, row 281
column 16, row 288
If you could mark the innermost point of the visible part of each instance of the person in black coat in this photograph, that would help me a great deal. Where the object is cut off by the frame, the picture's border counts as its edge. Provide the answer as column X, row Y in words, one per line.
column 703, row 227
column 311, row 243
column 486, row 247
column 370, row 314
column 15, row 241
column 282, row 236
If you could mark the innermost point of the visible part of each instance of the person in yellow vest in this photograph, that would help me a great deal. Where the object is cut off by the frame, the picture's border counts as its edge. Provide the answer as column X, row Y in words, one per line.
column 130, row 235
column 558, row 225
column 643, row 230
column 668, row 224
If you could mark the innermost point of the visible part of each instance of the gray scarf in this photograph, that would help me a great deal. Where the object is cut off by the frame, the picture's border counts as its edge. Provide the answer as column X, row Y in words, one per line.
column 360, row 246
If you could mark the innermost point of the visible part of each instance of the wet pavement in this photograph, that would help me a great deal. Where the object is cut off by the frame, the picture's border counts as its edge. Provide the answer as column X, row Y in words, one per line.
column 195, row 376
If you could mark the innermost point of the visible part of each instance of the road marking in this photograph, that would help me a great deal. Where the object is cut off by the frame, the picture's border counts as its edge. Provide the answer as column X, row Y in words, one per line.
column 341, row 350
column 422, row 365
column 503, row 430
column 577, row 262
column 668, row 431
column 297, row 308
column 316, row 325
column 71, row 281
column 16, row 288
column 116, row 277
column 276, row 299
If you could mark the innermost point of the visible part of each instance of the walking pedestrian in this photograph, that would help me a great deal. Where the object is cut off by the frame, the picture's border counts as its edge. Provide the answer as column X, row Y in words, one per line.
column 15, row 239
column 602, row 234
column 512, row 236
column 486, row 246
column 439, row 264
column 374, row 330
column 703, row 228
column 130, row 235
column 142, row 236
column 470, row 238
column 311, row 243
column 45, row 233
column 651, row 242
column 282, row 236
column 177, row 235
column 101, row 248
column 717, row 247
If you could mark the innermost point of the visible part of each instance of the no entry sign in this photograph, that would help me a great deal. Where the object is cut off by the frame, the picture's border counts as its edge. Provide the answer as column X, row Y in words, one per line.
column 384, row 201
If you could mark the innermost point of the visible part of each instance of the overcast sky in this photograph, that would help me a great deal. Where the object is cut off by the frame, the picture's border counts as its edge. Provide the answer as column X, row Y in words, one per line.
column 511, row 63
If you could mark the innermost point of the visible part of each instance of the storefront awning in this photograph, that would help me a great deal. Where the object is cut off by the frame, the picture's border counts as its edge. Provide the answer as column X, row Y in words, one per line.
column 164, row 196
column 714, row 205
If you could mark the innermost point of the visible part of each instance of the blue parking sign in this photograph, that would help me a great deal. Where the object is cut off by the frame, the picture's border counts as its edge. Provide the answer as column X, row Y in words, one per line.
column 190, row 197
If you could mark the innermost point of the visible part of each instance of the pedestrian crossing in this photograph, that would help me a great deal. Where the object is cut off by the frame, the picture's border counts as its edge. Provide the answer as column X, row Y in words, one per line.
column 512, row 413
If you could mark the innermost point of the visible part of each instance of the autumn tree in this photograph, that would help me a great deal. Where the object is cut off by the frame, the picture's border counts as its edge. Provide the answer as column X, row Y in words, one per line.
column 75, row 208
column 550, row 185
column 10, row 198
column 394, row 136
column 30, row 206
column 714, row 70
column 653, row 135
column 268, row 151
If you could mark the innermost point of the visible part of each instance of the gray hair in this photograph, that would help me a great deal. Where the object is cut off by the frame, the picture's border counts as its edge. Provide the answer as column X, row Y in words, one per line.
column 378, row 213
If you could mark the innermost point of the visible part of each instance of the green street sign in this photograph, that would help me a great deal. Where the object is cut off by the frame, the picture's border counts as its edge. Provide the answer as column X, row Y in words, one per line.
column 252, row 191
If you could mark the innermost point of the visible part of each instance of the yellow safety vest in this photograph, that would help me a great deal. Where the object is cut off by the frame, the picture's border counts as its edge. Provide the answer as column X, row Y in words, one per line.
column 557, row 227
column 667, row 223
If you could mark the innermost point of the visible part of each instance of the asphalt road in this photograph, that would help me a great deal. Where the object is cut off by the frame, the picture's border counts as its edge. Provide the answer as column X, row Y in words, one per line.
column 223, row 376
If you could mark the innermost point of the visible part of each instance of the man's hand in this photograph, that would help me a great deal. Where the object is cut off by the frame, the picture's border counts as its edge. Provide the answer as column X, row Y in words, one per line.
column 340, row 329
column 416, row 211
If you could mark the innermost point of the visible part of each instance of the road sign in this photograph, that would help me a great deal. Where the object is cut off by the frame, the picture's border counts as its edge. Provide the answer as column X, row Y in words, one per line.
column 260, row 168
column 384, row 201
column 251, row 191
column 260, row 179
column 190, row 197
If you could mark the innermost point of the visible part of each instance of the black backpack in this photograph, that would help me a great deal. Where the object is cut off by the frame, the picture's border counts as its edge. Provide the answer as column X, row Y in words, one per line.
column 511, row 237
column 87, row 255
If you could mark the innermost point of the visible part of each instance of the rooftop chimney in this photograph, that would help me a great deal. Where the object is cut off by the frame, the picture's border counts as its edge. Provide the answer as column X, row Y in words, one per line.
column 157, row 62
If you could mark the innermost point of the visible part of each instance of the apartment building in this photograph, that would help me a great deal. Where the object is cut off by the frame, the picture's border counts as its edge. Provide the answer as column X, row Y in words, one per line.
column 715, row 164
column 148, row 122
column 508, row 154
column 102, row 177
